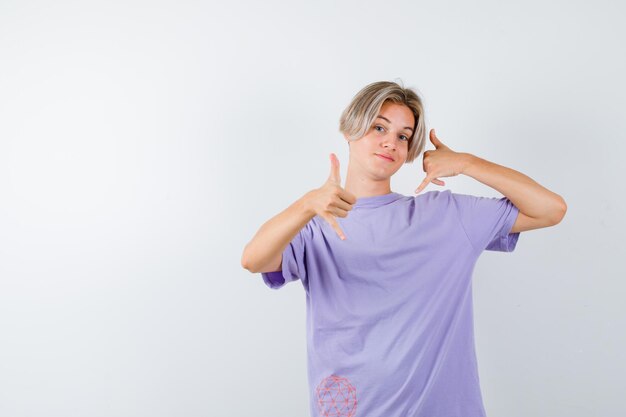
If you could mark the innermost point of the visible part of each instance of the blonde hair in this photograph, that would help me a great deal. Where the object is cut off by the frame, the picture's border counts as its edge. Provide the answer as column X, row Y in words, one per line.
column 365, row 106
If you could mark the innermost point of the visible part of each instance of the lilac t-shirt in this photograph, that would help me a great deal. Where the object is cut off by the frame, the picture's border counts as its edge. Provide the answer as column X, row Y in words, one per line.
column 389, row 309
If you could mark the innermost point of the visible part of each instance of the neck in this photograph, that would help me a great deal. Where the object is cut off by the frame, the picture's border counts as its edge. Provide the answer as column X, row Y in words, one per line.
column 361, row 186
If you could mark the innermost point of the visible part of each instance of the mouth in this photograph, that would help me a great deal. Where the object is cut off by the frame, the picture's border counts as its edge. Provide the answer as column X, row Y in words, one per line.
column 386, row 158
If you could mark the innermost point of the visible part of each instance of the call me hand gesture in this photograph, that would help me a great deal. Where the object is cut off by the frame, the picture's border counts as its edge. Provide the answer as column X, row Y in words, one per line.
column 440, row 162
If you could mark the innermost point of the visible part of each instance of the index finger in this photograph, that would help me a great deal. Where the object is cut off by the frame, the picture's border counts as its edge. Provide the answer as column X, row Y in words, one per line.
column 333, row 223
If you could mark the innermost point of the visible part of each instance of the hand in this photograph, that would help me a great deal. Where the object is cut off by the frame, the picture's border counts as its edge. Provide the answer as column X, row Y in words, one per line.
column 440, row 162
column 331, row 199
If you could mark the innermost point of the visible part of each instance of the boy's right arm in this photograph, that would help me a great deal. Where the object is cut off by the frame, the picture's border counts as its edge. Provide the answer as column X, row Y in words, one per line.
column 265, row 251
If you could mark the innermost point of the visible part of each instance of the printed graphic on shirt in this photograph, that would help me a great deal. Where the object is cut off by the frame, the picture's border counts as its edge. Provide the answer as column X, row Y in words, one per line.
column 336, row 397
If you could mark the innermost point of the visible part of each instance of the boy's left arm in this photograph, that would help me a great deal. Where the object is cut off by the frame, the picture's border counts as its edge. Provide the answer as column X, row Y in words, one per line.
column 538, row 206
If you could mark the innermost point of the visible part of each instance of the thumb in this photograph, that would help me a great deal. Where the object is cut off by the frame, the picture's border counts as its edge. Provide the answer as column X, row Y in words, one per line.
column 435, row 140
column 334, row 170
column 433, row 137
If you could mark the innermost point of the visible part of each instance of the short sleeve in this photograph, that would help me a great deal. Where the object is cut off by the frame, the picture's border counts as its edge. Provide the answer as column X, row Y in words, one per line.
column 487, row 221
column 293, row 264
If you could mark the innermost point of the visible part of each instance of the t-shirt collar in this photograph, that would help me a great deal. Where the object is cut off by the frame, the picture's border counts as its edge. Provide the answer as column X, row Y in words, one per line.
column 377, row 200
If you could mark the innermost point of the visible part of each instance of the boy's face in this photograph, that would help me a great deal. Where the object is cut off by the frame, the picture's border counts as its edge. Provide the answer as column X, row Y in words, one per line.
column 385, row 137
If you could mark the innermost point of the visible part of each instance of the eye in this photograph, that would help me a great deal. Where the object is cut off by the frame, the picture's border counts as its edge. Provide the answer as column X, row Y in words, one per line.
column 402, row 136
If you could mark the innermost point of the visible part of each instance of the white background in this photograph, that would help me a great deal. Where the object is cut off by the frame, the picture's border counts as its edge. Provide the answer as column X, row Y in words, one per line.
column 142, row 144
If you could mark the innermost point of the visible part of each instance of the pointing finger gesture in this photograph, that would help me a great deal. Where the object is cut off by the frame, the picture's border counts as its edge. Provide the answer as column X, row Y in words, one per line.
column 331, row 200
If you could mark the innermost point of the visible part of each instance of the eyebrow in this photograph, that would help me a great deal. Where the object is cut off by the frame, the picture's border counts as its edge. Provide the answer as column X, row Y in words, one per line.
column 389, row 121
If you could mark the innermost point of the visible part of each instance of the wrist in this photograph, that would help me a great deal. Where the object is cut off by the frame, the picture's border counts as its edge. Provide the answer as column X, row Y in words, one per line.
column 304, row 205
column 468, row 161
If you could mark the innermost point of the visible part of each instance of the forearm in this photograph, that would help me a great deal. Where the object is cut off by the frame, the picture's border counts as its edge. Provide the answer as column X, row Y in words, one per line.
column 528, row 196
column 275, row 234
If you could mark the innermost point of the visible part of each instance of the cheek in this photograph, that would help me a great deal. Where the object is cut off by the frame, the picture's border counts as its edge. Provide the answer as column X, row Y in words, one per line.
column 368, row 145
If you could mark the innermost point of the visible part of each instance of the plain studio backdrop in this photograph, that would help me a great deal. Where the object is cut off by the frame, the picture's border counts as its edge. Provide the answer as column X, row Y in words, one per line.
column 142, row 145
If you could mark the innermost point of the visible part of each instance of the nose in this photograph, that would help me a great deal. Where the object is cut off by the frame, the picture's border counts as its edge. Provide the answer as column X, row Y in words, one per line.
column 389, row 142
